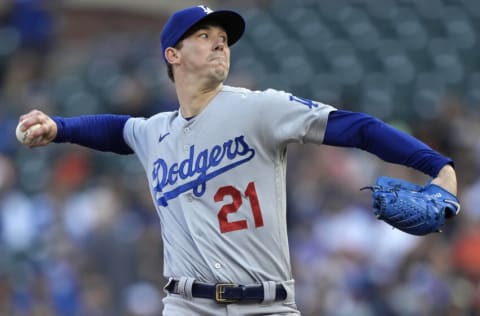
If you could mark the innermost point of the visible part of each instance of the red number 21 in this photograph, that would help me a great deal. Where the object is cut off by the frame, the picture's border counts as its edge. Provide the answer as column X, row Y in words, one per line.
column 251, row 193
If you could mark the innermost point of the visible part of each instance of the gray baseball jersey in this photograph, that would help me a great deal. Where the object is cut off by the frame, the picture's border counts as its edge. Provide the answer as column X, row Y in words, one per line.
column 218, row 182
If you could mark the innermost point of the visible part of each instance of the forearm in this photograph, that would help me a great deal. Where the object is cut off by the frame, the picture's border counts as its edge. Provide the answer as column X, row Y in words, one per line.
column 350, row 129
column 100, row 132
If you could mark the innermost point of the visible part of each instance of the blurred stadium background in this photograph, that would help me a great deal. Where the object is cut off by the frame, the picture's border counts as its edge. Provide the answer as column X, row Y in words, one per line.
column 78, row 232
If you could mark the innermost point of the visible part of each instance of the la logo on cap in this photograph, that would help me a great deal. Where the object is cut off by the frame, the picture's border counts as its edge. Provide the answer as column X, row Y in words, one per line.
column 205, row 9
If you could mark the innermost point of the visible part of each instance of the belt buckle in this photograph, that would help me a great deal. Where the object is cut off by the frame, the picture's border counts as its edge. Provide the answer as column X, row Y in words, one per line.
column 220, row 290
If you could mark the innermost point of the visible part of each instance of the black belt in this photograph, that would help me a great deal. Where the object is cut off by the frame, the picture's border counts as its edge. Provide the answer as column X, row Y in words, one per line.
column 229, row 292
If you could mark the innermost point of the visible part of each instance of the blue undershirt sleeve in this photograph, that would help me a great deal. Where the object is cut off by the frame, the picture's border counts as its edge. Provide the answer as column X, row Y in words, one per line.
column 102, row 132
column 352, row 129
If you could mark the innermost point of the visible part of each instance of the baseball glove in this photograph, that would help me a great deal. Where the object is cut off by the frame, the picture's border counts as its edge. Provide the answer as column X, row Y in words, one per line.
column 412, row 208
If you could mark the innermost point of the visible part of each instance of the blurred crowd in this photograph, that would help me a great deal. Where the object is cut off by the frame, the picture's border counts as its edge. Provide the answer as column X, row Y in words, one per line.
column 79, row 235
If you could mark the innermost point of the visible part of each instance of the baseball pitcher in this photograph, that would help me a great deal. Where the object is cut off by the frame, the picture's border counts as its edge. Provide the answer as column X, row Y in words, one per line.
column 216, row 170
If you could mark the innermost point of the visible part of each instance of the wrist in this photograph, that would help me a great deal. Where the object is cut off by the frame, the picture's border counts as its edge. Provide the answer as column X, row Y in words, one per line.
column 447, row 179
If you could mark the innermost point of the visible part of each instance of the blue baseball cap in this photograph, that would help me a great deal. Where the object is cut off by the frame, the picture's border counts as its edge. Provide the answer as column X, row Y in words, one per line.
column 182, row 21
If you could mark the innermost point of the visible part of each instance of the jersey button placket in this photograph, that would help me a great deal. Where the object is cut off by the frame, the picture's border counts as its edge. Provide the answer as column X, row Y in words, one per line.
column 186, row 131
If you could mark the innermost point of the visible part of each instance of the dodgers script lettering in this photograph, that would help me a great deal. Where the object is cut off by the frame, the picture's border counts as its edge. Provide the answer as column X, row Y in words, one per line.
column 198, row 168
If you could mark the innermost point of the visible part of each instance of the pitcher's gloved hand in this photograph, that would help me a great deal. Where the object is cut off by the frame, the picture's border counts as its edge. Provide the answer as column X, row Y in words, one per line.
column 412, row 208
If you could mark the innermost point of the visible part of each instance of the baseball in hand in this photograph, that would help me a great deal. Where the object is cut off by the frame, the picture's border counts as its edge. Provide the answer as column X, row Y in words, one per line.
column 23, row 136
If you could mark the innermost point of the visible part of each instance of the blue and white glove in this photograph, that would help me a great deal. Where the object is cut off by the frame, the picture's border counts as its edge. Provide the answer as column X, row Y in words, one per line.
column 412, row 208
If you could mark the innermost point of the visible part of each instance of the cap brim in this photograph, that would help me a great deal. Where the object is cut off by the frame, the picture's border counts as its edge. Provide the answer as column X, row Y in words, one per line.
column 231, row 21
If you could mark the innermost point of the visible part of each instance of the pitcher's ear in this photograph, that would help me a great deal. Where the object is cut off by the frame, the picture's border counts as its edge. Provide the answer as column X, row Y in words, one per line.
column 171, row 55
